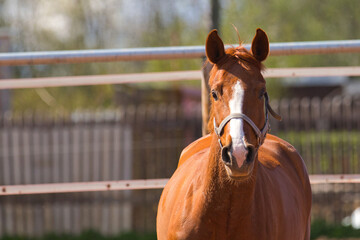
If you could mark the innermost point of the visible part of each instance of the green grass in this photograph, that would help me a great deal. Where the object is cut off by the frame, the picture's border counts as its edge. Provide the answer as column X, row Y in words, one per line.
column 322, row 228
column 87, row 235
column 318, row 228
column 333, row 137
column 325, row 152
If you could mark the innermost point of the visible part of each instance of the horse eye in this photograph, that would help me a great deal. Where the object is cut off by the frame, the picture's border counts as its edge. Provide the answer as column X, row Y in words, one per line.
column 214, row 95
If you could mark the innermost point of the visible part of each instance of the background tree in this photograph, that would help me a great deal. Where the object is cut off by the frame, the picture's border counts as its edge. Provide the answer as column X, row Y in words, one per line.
column 39, row 25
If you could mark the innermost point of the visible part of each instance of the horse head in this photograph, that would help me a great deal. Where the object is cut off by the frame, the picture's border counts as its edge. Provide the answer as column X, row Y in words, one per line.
column 239, row 102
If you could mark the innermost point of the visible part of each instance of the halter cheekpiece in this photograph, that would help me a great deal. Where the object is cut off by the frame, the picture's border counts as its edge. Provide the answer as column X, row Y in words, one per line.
column 260, row 134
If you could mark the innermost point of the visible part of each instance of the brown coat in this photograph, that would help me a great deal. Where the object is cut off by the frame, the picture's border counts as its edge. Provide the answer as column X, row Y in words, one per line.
column 196, row 205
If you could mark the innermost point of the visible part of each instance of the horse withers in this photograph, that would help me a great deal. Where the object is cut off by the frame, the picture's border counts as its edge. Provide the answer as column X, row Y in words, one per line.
column 238, row 182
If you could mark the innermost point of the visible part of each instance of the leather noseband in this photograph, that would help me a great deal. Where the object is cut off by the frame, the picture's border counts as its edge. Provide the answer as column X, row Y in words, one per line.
column 260, row 134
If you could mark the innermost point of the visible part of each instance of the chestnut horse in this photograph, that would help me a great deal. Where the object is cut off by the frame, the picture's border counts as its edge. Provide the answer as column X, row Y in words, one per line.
column 238, row 182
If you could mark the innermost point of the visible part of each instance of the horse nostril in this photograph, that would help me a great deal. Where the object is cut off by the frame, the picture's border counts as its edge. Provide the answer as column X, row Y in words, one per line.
column 226, row 155
column 250, row 153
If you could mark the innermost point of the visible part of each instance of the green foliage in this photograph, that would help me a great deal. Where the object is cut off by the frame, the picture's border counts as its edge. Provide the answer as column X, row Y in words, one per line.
column 319, row 228
column 154, row 23
column 87, row 235
column 292, row 21
column 320, row 148
column 63, row 98
column 322, row 228
column 275, row 88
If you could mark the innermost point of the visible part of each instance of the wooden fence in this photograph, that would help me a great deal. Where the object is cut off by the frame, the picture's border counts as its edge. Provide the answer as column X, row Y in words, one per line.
column 142, row 142
column 325, row 131
column 132, row 143
column 306, row 114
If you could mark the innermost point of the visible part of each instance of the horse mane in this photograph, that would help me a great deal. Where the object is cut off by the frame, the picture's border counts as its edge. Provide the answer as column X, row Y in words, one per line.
column 241, row 56
column 244, row 57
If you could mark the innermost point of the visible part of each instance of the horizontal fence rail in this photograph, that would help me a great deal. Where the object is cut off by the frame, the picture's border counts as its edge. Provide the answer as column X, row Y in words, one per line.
column 83, row 186
column 166, row 77
column 339, row 178
column 137, row 184
column 162, row 53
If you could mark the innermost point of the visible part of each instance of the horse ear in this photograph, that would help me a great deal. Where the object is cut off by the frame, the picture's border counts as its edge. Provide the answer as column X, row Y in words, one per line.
column 214, row 47
column 260, row 45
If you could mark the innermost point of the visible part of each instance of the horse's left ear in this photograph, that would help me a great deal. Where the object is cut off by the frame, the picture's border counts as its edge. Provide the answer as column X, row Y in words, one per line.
column 214, row 47
column 260, row 45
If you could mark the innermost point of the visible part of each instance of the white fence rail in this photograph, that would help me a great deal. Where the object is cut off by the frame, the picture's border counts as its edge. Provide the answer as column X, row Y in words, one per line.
column 166, row 77
column 83, row 186
column 162, row 53
column 137, row 184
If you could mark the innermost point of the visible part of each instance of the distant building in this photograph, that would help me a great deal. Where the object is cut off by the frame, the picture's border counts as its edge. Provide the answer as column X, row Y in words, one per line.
column 315, row 86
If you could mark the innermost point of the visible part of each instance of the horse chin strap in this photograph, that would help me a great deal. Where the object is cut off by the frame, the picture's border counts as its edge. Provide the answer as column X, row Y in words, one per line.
column 261, row 134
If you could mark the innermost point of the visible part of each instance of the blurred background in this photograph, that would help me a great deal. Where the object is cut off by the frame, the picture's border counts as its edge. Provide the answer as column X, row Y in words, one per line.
column 137, row 131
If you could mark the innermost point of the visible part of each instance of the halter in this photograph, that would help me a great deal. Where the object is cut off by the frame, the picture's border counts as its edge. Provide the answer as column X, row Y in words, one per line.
column 260, row 134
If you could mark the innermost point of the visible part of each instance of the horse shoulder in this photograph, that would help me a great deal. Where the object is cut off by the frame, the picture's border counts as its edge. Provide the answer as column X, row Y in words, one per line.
column 194, row 147
column 182, row 199
column 277, row 152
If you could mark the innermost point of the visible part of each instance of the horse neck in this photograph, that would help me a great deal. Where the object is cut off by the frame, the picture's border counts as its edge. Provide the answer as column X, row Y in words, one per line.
column 222, row 191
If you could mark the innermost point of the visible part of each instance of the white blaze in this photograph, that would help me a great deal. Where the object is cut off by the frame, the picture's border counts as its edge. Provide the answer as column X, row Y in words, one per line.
column 237, row 125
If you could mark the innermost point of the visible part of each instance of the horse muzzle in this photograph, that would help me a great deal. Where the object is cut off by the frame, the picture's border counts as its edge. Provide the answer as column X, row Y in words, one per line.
column 238, row 163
